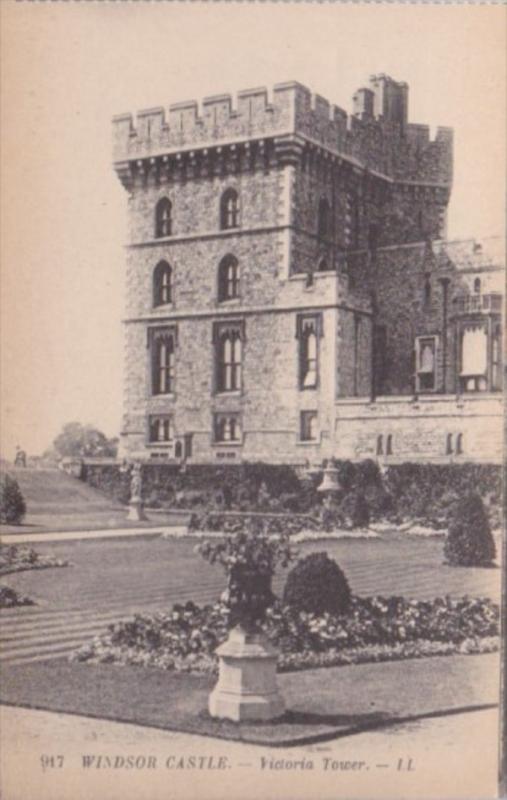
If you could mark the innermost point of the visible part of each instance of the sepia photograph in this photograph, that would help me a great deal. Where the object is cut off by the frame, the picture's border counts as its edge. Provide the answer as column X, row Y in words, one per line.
column 252, row 400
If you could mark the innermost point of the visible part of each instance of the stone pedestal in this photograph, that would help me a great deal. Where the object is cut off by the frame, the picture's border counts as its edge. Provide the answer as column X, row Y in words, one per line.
column 247, row 688
column 136, row 510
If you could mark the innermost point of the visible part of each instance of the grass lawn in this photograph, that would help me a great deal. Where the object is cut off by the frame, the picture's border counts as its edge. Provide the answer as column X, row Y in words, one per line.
column 350, row 699
column 140, row 572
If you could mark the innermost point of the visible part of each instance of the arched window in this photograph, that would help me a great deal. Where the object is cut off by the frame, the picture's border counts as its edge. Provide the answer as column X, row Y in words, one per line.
column 459, row 444
column 427, row 292
column 161, row 428
column 373, row 233
column 227, row 427
column 229, row 361
column 162, row 362
column 389, row 445
column 308, row 331
column 163, row 218
column 309, row 279
column 477, row 286
column 323, row 219
column 322, row 266
column 229, row 210
column 448, row 447
column 228, row 279
column 162, row 284
column 380, row 445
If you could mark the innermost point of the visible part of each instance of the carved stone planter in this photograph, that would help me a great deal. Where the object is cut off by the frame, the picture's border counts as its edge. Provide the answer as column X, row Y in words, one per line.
column 247, row 688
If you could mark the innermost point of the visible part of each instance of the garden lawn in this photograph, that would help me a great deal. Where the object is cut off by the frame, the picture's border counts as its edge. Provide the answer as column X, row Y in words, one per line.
column 350, row 699
column 147, row 571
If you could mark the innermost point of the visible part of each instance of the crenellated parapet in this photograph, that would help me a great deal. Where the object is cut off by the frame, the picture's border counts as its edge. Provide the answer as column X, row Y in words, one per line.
column 376, row 137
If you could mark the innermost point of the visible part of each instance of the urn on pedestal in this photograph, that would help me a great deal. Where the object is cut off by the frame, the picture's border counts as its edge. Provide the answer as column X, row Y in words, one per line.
column 247, row 687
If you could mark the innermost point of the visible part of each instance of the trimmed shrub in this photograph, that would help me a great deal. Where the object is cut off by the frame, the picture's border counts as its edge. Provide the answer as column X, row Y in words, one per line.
column 360, row 516
column 317, row 585
column 10, row 598
column 469, row 542
column 12, row 504
column 355, row 508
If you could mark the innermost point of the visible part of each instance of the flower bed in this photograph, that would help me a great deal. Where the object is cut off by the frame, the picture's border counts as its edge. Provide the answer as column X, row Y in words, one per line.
column 230, row 522
column 374, row 629
column 10, row 598
column 16, row 559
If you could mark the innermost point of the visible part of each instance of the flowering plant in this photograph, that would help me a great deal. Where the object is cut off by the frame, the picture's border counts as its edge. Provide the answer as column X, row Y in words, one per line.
column 249, row 559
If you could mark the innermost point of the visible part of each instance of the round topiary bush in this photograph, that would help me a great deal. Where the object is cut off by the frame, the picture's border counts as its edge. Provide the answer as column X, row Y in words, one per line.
column 469, row 542
column 317, row 584
column 12, row 504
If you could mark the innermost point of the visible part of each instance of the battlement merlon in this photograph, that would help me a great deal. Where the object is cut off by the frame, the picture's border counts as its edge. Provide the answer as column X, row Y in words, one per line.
column 376, row 136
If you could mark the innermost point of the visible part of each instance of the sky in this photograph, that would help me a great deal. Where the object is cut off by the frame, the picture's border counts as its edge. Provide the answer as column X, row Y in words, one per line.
column 68, row 67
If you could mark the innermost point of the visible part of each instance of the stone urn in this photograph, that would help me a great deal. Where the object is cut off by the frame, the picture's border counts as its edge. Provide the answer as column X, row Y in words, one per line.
column 247, row 687
column 330, row 481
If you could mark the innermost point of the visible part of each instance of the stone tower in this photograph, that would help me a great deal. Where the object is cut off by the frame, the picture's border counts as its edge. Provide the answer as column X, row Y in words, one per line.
column 257, row 234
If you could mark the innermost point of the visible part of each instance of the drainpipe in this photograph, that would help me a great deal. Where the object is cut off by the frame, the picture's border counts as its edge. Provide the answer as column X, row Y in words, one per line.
column 445, row 286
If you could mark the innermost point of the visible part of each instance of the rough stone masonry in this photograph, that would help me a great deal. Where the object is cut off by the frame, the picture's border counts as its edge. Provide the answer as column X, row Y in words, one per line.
column 290, row 293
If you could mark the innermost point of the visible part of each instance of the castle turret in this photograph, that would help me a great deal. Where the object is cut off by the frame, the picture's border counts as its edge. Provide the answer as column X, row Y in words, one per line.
column 364, row 103
column 390, row 98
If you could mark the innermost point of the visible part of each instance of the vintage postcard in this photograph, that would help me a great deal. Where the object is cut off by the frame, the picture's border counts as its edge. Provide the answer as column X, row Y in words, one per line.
column 253, row 289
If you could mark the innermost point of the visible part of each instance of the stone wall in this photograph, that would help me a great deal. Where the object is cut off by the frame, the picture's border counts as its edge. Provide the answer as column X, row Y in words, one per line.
column 420, row 429
column 270, row 401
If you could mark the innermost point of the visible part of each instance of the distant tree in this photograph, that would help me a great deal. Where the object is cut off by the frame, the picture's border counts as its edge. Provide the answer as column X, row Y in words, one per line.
column 83, row 441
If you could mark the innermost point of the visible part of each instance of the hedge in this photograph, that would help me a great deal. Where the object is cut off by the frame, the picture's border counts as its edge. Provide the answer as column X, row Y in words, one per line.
column 423, row 492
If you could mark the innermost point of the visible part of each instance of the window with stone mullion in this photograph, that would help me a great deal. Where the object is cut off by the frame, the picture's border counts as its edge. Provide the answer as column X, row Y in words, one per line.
column 163, row 366
column 230, row 362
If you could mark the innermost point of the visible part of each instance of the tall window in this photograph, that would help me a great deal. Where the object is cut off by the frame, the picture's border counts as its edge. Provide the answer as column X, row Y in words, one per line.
column 474, row 358
column 161, row 428
column 227, row 427
column 228, row 279
column 162, row 344
column 323, row 222
column 229, row 210
column 353, row 219
column 163, row 223
column 308, row 331
column 477, row 286
column 427, row 292
column 425, row 352
column 496, row 371
column 228, row 356
column 308, row 426
column 162, row 284
column 380, row 354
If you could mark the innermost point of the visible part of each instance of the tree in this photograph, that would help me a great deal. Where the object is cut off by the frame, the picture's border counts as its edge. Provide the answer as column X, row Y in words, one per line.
column 470, row 542
column 12, row 504
column 84, row 441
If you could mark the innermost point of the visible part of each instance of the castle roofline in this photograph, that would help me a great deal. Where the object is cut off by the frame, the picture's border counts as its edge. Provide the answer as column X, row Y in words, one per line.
column 376, row 135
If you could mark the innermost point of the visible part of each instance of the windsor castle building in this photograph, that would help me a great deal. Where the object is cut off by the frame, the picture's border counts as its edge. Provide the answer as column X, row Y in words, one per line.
column 291, row 295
